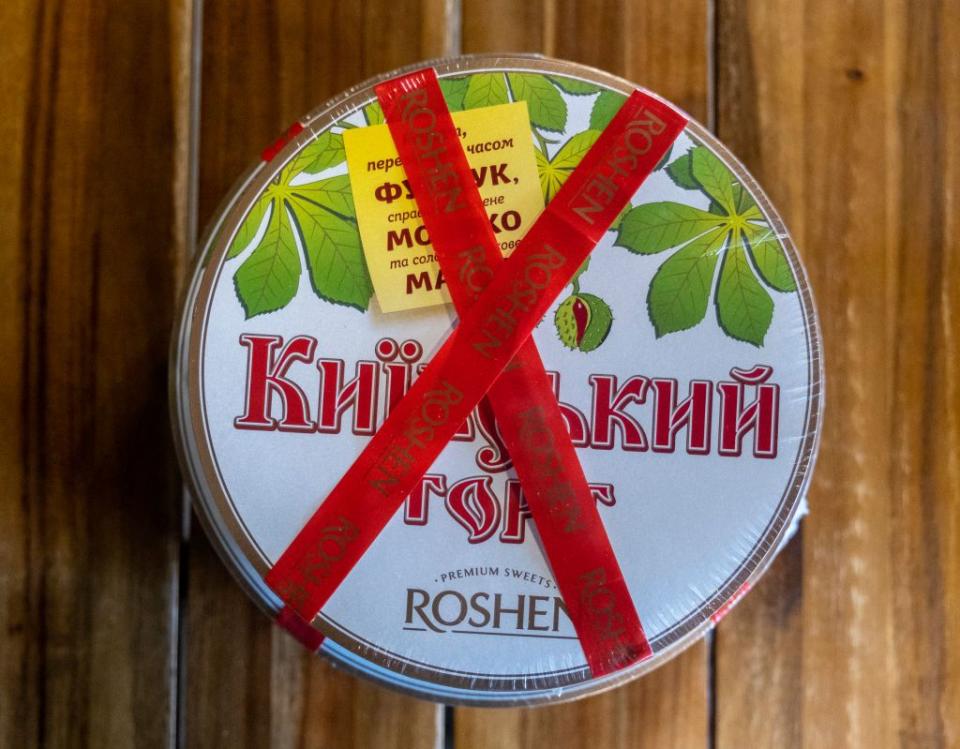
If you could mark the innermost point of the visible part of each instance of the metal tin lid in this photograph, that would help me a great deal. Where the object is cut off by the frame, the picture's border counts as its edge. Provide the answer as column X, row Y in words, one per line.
column 687, row 364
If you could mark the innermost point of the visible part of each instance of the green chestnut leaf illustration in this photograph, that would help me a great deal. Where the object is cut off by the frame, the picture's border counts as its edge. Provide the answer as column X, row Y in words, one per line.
column 454, row 91
column 319, row 217
column 727, row 254
column 732, row 232
column 604, row 108
column 575, row 86
column 554, row 172
column 485, row 90
column 546, row 106
column 373, row 113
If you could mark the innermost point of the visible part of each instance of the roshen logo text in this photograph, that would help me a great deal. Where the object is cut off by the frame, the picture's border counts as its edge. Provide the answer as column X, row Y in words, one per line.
column 482, row 613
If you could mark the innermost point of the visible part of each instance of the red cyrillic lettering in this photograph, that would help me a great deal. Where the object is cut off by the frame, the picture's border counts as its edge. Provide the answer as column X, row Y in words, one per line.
column 761, row 416
column 336, row 397
column 608, row 411
column 266, row 374
column 693, row 413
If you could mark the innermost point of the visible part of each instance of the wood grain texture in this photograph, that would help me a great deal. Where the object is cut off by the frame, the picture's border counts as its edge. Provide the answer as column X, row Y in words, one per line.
column 264, row 65
column 758, row 654
column 89, row 504
column 660, row 45
column 848, row 113
column 666, row 708
column 642, row 42
column 251, row 685
column 267, row 63
column 759, row 645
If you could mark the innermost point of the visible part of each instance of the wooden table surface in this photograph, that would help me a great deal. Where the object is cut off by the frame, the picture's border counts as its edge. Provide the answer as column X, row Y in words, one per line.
column 125, row 122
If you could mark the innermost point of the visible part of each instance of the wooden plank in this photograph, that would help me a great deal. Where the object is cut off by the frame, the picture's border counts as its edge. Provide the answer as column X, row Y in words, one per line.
column 758, row 660
column 848, row 113
column 667, row 708
column 660, row 45
column 759, row 645
column 265, row 64
column 20, row 676
column 89, row 518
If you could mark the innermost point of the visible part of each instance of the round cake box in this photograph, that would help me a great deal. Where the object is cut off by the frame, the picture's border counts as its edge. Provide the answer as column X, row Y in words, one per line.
column 684, row 356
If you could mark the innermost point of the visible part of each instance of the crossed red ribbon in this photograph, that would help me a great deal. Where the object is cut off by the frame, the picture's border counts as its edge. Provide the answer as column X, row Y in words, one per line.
column 490, row 353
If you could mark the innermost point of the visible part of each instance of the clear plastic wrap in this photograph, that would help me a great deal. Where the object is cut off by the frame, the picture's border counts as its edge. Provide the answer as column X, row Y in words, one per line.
column 685, row 356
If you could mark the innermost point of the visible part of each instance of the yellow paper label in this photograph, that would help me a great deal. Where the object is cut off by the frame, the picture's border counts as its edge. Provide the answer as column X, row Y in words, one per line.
column 401, row 260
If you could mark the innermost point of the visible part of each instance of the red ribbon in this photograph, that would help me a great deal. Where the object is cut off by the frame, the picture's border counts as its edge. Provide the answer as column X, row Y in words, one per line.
column 526, row 408
column 510, row 299
column 306, row 635
column 277, row 146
